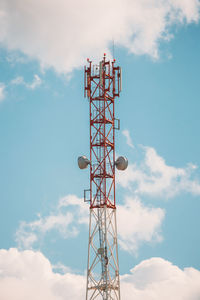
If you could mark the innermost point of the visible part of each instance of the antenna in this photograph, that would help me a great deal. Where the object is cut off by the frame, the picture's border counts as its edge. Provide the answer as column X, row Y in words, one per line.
column 113, row 48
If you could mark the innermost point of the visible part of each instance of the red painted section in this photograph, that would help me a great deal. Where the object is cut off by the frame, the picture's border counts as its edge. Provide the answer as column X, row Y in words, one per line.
column 102, row 86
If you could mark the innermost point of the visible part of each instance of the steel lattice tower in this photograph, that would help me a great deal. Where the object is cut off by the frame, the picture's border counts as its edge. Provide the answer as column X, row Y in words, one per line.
column 102, row 86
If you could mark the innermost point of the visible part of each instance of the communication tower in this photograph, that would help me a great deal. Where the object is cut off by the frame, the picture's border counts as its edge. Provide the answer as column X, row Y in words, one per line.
column 102, row 85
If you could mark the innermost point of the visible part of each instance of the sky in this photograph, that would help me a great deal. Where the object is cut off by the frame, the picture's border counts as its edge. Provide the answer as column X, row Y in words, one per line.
column 44, row 127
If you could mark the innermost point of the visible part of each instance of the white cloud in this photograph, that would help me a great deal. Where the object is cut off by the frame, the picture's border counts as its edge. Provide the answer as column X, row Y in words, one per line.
column 127, row 135
column 66, row 218
column 152, row 176
column 137, row 224
column 63, row 34
column 187, row 9
column 2, row 91
column 156, row 278
column 28, row 275
column 29, row 233
column 35, row 83
column 60, row 268
column 18, row 80
column 14, row 57
column 32, row 85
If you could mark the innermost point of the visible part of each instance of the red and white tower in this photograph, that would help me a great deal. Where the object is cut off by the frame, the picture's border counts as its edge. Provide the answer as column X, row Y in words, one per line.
column 102, row 86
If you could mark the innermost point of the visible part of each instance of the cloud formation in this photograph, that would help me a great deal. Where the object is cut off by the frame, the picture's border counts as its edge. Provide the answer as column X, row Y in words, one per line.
column 137, row 224
column 63, row 34
column 156, row 278
column 144, row 223
column 2, row 91
column 127, row 135
column 32, row 85
column 29, row 275
column 152, row 176
column 66, row 218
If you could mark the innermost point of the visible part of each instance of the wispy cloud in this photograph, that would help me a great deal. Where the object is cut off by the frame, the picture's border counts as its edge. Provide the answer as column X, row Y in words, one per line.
column 2, row 91
column 16, row 57
column 127, row 135
column 32, row 85
column 35, row 83
column 66, row 218
column 139, row 26
column 72, row 213
column 152, row 176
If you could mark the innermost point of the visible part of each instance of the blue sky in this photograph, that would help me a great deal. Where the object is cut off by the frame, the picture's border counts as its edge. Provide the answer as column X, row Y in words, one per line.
column 44, row 127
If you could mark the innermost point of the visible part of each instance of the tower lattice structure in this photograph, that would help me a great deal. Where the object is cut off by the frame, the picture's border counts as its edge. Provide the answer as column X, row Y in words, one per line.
column 102, row 86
